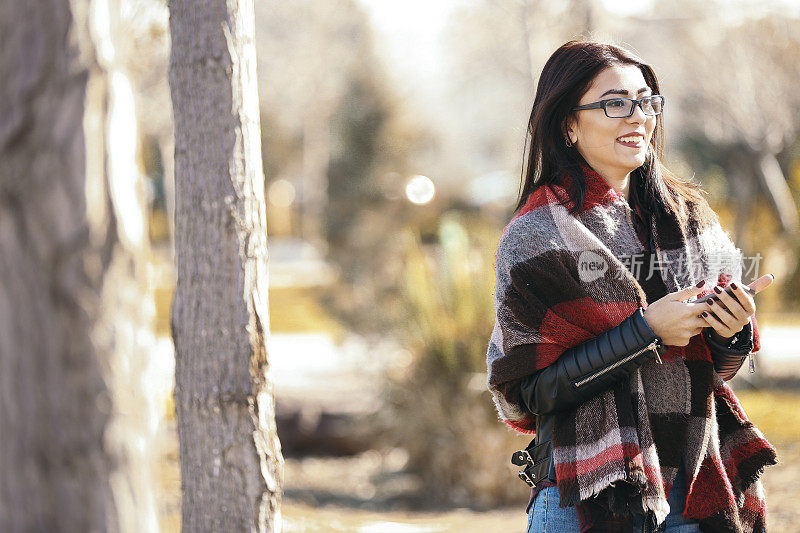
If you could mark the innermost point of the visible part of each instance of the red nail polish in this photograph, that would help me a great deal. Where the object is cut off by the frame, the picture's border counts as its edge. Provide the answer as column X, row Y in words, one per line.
column 733, row 286
column 705, row 313
column 703, row 282
column 710, row 301
column 717, row 290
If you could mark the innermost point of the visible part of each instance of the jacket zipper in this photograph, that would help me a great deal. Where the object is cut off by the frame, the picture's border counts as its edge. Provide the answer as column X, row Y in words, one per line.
column 651, row 346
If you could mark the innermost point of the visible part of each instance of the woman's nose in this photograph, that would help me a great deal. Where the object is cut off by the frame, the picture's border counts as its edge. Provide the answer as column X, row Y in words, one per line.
column 638, row 114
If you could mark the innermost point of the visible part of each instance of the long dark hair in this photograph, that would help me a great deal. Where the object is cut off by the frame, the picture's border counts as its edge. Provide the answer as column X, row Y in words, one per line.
column 565, row 77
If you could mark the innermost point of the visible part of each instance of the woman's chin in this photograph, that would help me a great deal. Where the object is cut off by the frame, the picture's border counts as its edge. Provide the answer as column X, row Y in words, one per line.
column 633, row 160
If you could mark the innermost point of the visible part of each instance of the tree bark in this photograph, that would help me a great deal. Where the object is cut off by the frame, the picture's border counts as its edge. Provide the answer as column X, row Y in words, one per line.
column 55, row 406
column 231, row 463
column 124, row 332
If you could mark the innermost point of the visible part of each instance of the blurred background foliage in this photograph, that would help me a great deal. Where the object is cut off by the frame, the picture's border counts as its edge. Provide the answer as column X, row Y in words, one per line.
column 439, row 409
column 447, row 290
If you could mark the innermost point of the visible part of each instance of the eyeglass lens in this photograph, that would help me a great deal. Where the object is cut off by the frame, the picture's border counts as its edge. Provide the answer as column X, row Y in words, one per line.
column 623, row 107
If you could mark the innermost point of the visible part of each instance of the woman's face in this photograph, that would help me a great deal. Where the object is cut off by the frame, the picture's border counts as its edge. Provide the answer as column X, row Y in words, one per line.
column 597, row 137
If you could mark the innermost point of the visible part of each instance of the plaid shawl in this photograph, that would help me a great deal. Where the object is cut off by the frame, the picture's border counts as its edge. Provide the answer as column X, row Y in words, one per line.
column 563, row 279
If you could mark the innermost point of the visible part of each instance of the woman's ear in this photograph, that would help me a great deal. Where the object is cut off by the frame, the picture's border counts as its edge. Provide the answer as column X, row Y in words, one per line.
column 568, row 131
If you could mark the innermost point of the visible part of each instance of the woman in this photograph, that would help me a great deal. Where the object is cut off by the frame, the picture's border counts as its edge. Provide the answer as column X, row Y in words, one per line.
column 598, row 348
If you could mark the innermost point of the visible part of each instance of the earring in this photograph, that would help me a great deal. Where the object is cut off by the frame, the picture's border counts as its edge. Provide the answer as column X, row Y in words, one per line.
column 568, row 142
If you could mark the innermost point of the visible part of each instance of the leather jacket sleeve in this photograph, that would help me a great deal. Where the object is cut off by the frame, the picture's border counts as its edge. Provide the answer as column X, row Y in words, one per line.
column 592, row 366
column 728, row 358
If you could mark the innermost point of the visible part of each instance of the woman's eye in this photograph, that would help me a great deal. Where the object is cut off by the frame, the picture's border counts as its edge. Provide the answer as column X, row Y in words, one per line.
column 615, row 103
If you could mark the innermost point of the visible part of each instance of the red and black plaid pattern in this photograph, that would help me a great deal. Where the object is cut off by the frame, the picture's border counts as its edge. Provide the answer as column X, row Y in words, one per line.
column 562, row 280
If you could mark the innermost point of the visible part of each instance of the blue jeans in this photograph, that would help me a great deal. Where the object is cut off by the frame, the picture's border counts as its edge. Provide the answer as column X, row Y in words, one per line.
column 546, row 515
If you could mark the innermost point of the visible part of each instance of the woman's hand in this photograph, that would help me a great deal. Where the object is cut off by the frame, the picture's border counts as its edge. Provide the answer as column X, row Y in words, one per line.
column 731, row 314
column 674, row 320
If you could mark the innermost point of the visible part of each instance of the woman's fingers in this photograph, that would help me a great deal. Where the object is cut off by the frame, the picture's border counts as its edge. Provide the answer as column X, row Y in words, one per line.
column 731, row 312
column 720, row 327
column 731, row 305
column 762, row 283
column 745, row 299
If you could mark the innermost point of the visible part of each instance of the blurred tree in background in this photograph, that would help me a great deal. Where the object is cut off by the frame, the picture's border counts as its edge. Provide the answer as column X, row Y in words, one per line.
column 345, row 141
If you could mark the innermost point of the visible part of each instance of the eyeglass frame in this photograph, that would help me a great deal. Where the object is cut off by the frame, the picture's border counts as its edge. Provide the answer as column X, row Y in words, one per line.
column 601, row 104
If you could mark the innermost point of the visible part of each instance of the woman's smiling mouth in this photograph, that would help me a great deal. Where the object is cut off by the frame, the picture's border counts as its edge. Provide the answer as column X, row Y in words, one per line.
column 633, row 141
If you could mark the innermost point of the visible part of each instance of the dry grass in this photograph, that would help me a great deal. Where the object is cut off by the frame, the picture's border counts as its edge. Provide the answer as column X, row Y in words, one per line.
column 297, row 310
column 775, row 412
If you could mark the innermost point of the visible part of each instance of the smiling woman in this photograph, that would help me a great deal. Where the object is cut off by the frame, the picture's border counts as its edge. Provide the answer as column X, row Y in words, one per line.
column 612, row 369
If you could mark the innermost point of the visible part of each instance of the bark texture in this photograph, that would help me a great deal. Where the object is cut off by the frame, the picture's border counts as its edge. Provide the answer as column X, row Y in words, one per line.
column 124, row 331
column 231, row 463
column 54, row 406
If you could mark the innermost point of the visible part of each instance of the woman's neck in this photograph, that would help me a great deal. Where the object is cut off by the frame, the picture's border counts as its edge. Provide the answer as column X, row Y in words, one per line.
column 620, row 184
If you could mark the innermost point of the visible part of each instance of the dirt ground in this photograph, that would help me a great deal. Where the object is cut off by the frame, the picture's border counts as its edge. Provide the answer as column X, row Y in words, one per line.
column 369, row 493
column 338, row 495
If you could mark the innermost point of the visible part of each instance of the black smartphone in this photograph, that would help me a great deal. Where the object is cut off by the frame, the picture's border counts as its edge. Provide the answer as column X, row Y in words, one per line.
column 714, row 295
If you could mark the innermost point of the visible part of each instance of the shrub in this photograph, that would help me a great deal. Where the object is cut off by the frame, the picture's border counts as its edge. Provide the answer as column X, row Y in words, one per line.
column 439, row 408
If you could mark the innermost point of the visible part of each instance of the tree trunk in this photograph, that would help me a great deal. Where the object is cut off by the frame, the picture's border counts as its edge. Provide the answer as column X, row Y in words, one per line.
column 55, row 406
column 316, row 158
column 231, row 463
column 779, row 192
column 124, row 332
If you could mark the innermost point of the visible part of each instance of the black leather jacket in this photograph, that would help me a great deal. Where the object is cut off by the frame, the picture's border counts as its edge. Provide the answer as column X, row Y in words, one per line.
column 593, row 366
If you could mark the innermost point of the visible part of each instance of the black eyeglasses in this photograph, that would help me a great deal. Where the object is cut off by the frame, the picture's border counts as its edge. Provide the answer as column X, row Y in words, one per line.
column 623, row 107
